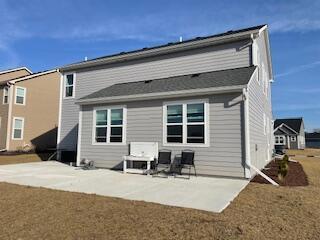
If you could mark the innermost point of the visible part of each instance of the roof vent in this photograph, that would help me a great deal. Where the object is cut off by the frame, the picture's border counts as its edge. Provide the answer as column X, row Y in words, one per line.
column 147, row 81
column 195, row 75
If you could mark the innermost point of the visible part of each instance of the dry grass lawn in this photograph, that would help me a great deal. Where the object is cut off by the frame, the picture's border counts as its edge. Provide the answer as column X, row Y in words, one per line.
column 22, row 158
column 259, row 212
column 305, row 152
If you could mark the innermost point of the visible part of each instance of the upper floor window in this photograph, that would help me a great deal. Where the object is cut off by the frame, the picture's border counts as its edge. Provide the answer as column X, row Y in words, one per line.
column 20, row 95
column 186, row 123
column 109, row 125
column 5, row 95
column 69, row 81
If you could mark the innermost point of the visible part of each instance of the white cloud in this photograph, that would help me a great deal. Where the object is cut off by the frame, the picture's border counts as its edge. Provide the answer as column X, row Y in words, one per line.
column 297, row 25
column 298, row 69
column 304, row 90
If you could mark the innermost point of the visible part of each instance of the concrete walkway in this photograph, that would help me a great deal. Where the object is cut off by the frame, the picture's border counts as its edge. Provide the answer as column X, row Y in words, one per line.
column 210, row 194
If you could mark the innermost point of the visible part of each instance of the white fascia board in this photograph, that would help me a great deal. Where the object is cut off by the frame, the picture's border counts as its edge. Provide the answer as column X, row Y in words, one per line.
column 16, row 69
column 163, row 95
column 32, row 76
column 283, row 124
column 267, row 43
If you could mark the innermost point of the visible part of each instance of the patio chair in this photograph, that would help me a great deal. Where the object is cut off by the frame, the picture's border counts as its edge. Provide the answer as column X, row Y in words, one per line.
column 187, row 161
column 163, row 160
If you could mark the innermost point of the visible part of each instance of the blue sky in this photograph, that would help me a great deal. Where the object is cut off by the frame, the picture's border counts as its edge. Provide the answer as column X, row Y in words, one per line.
column 46, row 34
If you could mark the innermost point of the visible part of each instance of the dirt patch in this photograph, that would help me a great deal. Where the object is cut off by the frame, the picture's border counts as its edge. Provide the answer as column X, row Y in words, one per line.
column 261, row 211
column 295, row 176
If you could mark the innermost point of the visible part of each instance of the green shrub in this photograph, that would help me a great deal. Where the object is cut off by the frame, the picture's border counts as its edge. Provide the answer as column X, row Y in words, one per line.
column 283, row 167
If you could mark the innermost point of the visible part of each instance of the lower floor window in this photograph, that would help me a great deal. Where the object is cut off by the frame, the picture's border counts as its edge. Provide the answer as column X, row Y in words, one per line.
column 109, row 125
column 280, row 140
column 293, row 138
column 185, row 123
column 18, row 124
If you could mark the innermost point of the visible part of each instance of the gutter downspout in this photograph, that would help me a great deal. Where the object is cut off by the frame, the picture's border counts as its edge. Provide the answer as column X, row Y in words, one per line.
column 248, row 164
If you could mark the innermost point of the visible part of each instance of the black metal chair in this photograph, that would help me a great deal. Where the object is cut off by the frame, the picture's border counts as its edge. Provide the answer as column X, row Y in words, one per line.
column 164, row 160
column 187, row 161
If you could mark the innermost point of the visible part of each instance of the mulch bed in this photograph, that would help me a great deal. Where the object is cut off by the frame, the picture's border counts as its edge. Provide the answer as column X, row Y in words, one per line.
column 295, row 176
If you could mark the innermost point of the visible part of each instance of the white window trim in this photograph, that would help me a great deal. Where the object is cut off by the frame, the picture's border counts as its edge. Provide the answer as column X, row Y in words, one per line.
column 124, row 125
column 64, row 85
column 13, row 128
column 293, row 138
column 24, row 97
column 4, row 90
column 280, row 136
column 184, row 123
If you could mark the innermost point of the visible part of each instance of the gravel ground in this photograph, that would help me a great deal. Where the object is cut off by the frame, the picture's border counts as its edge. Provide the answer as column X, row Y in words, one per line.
column 260, row 212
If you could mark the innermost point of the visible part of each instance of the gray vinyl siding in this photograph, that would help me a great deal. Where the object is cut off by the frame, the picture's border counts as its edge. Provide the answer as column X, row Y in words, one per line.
column 293, row 144
column 226, row 56
column 259, row 104
column 69, row 125
column 224, row 156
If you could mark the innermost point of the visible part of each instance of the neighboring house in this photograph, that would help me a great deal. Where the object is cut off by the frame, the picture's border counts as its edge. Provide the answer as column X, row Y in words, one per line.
column 209, row 94
column 29, row 109
column 289, row 133
column 313, row 140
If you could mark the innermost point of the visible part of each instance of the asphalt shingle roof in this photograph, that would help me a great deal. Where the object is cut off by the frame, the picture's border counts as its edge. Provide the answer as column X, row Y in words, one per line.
column 216, row 79
column 227, row 33
column 294, row 123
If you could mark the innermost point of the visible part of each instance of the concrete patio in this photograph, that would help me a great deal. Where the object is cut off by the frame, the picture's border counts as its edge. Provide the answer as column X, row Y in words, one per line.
column 204, row 193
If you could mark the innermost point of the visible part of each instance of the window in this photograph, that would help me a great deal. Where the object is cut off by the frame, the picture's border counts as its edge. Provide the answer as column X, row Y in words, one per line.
column 20, row 95
column 293, row 139
column 185, row 123
column 5, row 95
column 18, row 124
column 109, row 125
column 69, row 81
column 280, row 140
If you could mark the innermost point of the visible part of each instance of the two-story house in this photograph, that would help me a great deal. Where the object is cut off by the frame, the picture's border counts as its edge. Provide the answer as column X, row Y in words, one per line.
column 29, row 107
column 209, row 94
